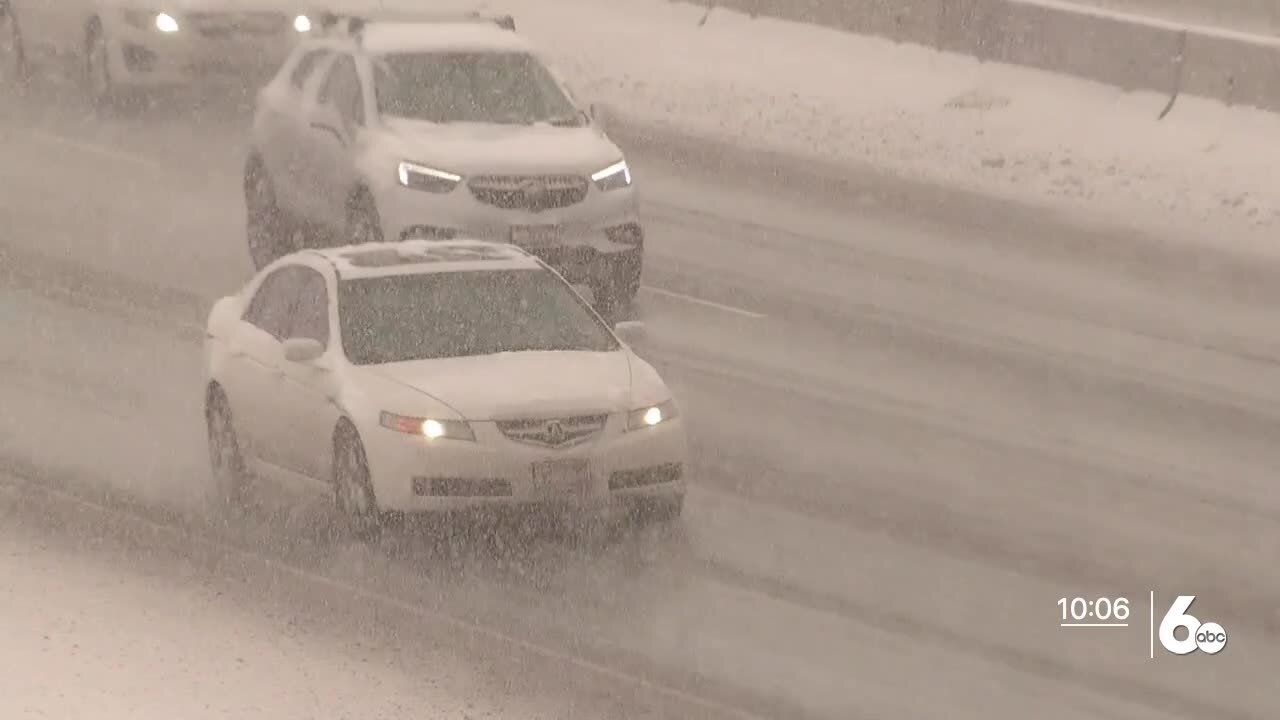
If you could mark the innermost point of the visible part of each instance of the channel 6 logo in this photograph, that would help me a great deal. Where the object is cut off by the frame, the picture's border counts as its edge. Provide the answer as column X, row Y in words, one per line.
column 1209, row 638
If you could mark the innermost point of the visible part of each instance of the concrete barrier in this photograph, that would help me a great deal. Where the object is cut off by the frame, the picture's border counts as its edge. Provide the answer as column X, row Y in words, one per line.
column 913, row 21
column 1236, row 69
column 1128, row 51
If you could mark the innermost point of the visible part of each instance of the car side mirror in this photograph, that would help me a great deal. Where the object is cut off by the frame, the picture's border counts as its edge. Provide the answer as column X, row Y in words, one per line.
column 631, row 332
column 302, row 350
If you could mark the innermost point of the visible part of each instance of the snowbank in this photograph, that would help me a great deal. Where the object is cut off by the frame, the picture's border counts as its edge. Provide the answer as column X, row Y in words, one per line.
column 1005, row 130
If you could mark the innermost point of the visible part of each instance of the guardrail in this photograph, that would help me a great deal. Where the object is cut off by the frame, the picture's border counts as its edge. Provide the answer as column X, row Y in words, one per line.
column 1130, row 51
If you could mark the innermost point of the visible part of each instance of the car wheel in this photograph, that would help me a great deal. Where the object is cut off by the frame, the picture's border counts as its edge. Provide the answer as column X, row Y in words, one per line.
column 363, row 223
column 97, row 70
column 268, row 233
column 352, row 490
column 230, row 476
column 15, row 73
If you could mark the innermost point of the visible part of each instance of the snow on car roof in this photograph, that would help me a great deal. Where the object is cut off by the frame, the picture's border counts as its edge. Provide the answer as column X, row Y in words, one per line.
column 413, row 257
column 388, row 37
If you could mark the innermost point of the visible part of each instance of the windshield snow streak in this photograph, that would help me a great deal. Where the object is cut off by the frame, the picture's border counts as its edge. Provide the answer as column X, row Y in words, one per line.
column 471, row 87
column 443, row 315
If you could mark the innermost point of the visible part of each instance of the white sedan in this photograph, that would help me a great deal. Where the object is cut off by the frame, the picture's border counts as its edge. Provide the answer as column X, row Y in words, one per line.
column 434, row 375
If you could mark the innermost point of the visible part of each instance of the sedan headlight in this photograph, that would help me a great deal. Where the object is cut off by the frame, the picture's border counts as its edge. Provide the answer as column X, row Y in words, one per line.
column 652, row 415
column 302, row 24
column 614, row 177
column 151, row 19
column 421, row 177
column 429, row 428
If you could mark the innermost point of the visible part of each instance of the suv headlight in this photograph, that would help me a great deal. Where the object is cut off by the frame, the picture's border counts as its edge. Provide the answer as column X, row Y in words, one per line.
column 651, row 415
column 302, row 24
column 429, row 428
column 151, row 19
column 421, row 177
column 614, row 177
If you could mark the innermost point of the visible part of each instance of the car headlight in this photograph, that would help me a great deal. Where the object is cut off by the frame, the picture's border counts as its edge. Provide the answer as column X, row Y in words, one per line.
column 302, row 24
column 429, row 428
column 421, row 177
column 614, row 177
column 651, row 415
column 151, row 19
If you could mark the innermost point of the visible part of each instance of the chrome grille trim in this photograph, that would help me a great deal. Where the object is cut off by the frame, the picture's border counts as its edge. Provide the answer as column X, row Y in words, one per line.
column 553, row 432
column 529, row 192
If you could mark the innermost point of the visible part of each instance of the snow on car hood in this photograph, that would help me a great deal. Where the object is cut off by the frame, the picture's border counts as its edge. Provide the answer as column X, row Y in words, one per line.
column 523, row 384
column 480, row 148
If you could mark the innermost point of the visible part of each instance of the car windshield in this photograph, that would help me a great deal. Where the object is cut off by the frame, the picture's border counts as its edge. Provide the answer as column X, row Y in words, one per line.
column 443, row 315
column 511, row 88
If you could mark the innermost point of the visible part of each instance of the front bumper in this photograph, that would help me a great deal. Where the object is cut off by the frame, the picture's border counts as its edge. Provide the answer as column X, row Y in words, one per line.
column 411, row 474
column 194, row 55
column 601, row 239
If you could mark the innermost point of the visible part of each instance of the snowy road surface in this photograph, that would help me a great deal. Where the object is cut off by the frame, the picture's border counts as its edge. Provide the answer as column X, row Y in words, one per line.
column 94, row 627
column 908, row 442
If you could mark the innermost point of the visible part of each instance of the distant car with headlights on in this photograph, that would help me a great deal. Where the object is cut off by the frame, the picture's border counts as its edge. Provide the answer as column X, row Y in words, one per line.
column 121, row 45
column 435, row 375
column 401, row 127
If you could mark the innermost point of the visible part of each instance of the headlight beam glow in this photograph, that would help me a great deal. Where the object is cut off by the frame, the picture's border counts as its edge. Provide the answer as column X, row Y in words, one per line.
column 165, row 23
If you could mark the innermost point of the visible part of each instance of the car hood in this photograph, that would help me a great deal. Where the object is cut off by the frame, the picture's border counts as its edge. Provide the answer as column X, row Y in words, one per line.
column 481, row 148
column 523, row 384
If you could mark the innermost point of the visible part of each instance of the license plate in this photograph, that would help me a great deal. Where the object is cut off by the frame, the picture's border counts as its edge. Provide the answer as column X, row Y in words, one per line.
column 535, row 236
column 562, row 477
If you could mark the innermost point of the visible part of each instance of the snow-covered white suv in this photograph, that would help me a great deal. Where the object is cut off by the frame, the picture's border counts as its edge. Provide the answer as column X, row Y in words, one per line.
column 392, row 129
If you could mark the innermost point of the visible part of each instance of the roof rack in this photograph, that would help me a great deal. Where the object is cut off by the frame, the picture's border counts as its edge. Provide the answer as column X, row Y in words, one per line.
column 353, row 25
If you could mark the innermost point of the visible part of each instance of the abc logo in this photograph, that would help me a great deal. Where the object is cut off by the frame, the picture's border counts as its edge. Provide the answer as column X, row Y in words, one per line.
column 1208, row 637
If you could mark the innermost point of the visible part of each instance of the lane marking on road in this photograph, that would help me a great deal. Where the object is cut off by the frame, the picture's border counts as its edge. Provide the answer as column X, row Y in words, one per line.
column 195, row 536
column 705, row 303
column 96, row 149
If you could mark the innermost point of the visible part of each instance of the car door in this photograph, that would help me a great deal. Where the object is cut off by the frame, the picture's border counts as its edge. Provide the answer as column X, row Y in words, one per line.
column 284, row 131
column 307, row 411
column 255, row 354
column 336, row 123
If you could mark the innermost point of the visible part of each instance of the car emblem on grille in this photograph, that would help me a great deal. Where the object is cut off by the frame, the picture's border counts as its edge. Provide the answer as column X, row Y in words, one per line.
column 535, row 194
column 555, row 432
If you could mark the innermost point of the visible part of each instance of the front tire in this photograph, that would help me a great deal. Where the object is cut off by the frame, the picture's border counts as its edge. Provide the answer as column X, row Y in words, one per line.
column 268, row 233
column 363, row 222
column 352, row 488
column 99, row 85
column 230, row 476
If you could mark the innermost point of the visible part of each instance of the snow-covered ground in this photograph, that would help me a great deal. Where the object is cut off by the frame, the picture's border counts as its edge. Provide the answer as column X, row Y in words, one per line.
column 1011, row 131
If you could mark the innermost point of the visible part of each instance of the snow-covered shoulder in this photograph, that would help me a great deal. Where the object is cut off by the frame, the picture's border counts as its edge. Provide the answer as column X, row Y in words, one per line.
column 1004, row 130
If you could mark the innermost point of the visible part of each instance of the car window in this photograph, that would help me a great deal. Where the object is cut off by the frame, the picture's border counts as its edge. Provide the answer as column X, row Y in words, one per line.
column 460, row 86
column 272, row 304
column 310, row 313
column 442, row 315
column 306, row 65
column 342, row 90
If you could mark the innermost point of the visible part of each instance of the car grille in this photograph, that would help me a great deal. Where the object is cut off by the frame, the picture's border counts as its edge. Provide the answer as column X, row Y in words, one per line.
column 534, row 193
column 554, row 432
column 220, row 25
